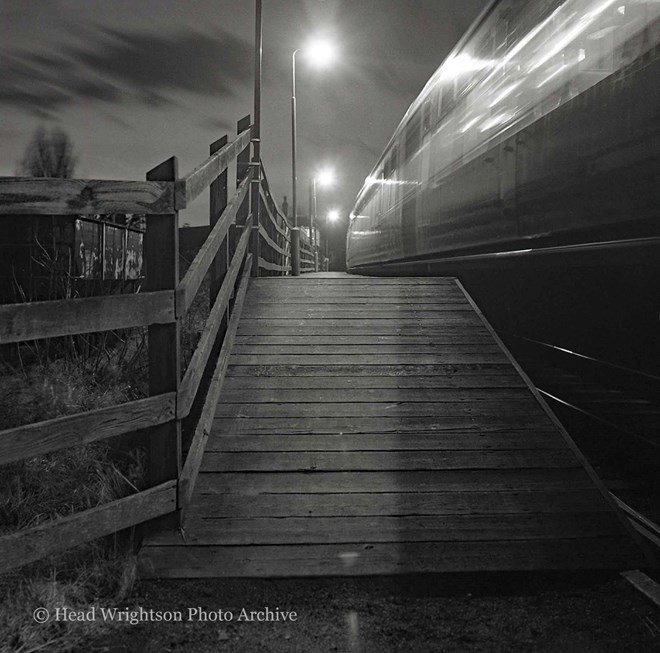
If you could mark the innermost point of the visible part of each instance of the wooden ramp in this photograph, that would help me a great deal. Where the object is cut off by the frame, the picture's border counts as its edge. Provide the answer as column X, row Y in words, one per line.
column 378, row 426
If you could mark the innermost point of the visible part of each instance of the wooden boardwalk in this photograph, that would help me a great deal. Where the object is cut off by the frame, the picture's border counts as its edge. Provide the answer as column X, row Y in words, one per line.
column 378, row 426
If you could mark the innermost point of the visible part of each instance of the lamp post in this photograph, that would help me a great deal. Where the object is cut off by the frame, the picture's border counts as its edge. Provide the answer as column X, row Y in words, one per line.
column 319, row 53
column 324, row 178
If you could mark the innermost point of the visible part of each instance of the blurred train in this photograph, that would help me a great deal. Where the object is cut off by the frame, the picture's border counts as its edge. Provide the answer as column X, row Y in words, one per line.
column 537, row 139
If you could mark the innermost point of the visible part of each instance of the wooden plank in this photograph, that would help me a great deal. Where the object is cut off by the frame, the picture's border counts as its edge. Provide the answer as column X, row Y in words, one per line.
column 218, row 191
column 234, row 395
column 436, row 528
column 23, row 547
column 347, row 443
column 505, row 379
column 531, row 500
column 369, row 558
column 46, row 196
column 395, row 504
column 161, row 250
column 272, row 267
column 34, row 320
column 72, row 430
column 346, row 299
column 426, row 348
column 191, row 467
column 355, row 311
column 270, row 242
column 359, row 320
column 348, row 328
column 447, row 370
column 402, row 424
column 525, row 406
column 644, row 584
column 440, row 338
column 383, row 461
column 481, row 480
column 188, row 188
column 198, row 362
column 354, row 280
column 189, row 285
column 267, row 201
column 436, row 358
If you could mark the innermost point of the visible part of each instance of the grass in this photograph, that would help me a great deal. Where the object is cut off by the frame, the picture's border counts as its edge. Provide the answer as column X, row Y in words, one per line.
column 51, row 379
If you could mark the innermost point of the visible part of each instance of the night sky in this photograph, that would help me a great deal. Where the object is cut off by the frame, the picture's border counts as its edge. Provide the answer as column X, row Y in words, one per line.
column 136, row 81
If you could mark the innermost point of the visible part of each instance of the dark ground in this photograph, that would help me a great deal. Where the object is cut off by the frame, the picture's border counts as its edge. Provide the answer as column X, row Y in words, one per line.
column 515, row 612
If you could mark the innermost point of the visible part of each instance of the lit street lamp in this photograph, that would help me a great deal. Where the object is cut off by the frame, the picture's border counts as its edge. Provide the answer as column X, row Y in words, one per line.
column 319, row 53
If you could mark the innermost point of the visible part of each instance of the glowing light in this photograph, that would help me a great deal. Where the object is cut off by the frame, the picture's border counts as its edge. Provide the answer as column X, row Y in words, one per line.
column 325, row 177
column 320, row 52
column 551, row 76
column 333, row 215
column 462, row 63
column 496, row 120
column 469, row 124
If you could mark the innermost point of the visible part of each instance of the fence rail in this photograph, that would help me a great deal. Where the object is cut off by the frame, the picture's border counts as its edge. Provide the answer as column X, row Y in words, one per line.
column 245, row 240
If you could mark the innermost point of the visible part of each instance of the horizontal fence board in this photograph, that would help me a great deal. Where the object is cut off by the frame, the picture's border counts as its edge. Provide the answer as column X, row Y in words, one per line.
column 270, row 242
column 193, row 376
column 63, row 317
column 386, row 461
column 349, row 443
column 271, row 267
column 394, row 504
column 191, row 467
column 49, row 196
column 23, row 547
column 370, row 558
column 72, row 430
column 272, row 219
column 428, row 528
column 188, row 188
column 191, row 282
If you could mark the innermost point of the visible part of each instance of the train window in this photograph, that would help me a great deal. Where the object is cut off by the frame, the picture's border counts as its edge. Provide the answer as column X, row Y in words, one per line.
column 413, row 137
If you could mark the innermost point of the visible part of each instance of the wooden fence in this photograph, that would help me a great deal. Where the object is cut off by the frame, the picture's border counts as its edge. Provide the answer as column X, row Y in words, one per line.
column 245, row 240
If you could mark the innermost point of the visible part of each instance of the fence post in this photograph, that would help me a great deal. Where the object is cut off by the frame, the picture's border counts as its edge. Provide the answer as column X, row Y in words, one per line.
column 161, row 246
column 218, row 203
column 295, row 252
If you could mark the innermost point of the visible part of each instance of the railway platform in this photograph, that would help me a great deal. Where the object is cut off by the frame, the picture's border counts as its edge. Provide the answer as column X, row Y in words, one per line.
column 378, row 426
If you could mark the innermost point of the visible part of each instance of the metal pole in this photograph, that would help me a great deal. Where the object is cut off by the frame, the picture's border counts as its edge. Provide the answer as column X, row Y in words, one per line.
column 313, row 228
column 256, row 140
column 293, row 137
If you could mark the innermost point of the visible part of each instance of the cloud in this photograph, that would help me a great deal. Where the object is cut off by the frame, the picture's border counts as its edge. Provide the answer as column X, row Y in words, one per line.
column 150, row 69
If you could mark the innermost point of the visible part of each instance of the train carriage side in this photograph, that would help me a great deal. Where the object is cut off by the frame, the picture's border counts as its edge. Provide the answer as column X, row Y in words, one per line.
column 541, row 130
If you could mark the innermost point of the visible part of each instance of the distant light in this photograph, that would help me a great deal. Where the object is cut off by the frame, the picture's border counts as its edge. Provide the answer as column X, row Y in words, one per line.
column 333, row 215
column 622, row 10
column 325, row 177
column 320, row 52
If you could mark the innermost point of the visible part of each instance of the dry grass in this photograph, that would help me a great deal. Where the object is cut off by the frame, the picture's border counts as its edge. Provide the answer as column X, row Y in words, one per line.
column 48, row 380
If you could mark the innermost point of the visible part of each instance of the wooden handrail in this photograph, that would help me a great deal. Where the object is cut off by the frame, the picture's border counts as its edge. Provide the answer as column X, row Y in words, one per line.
column 34, row 320
column 270, row 242
column 189, row 285
column 194, row 458
column 193, row 375
column 188, row 188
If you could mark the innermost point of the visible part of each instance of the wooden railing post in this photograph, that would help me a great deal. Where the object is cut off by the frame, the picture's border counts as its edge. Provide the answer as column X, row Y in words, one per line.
column 295, row 252
column 218, row 203
column 161, row 248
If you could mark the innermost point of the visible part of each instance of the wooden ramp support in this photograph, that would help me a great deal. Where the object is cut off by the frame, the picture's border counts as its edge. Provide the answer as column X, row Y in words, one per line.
column 378, row 426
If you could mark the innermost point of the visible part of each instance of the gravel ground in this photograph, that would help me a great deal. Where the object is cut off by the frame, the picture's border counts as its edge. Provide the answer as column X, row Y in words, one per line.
column 519, row 612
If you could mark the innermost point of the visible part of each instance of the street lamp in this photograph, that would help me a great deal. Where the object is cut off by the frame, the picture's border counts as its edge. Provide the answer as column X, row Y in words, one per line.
column 320, row 52
column 324, row 178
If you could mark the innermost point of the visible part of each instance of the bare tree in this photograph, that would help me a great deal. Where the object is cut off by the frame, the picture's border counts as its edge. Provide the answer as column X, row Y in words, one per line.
column 49, row 154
